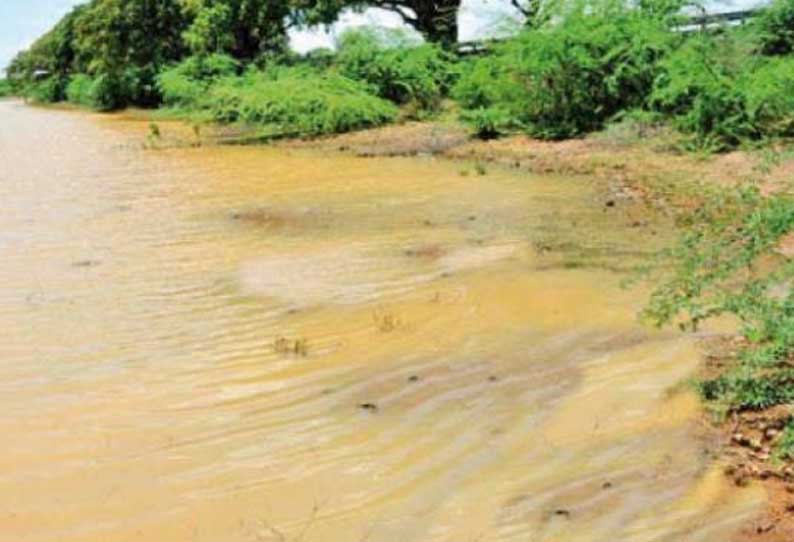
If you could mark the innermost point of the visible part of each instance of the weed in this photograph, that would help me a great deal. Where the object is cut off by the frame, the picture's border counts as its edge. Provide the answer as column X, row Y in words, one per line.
column 295, row 347
column 386, row 322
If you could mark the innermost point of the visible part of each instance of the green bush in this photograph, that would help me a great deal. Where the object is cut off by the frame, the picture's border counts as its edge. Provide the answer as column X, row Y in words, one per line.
column 187, row 82
column 727, row 263
column 571, row 75
column 402, row 73
column 108, row 93
column 769, row 95
column 774, row 28
column 480, row 83
column 79, row 90
column 50, row 90
column 6, row 89
column 297, row 101
column 717, row 91
column 103, row 93
column 487, row 122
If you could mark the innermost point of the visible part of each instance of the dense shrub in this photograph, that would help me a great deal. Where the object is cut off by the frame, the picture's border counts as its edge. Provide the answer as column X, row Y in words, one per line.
column 727, row 263
column 480, row 82
column 401, row 72
column 6, row 89
column 79, row 90
column 717, row 91
column 769, row 94
column 50, row 90
column 774, row 28
column 699, row 88
column 297, row 101
column 103, row 93
column 571, row 75
column 188, row 81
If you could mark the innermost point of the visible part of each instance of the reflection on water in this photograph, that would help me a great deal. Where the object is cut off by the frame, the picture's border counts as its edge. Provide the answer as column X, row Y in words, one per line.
column 231, row 344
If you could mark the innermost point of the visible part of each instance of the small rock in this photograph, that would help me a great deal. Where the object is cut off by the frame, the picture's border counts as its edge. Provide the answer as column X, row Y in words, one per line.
column 771, row 433
column 369, row 407
column 562, row 512
column 493, row 378
column 413, row 378
column 764, row 527
column 610, row 203
column 606, row 485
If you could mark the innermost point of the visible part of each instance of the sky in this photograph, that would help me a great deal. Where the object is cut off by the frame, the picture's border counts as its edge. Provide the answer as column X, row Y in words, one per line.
column 22, row 21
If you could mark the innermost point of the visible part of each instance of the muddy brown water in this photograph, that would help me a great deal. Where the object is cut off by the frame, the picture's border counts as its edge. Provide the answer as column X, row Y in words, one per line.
column 233, row 344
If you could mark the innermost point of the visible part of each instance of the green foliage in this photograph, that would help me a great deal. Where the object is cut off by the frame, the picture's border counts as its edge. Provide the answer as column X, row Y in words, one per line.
column 774, row 28
column 296, row 101
column 728, row 263
column 6, row 89
column 487, row 122
column 103, row 93
column 571, row 75
column 243, row 29
column 401, row 72
column 715, row 90
column 211, row 30
column 79, row 90
column 785, row 446
column 46, row 91
column 187, row 82
column 769, row 96
column 481, row 82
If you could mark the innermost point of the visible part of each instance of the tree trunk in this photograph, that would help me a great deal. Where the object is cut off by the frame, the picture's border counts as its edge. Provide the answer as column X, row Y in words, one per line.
column 437, row 21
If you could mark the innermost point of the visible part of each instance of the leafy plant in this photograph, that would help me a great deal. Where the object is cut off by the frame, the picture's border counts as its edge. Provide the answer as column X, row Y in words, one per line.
column 785, row 446
column 729, row 262
column 569, row 76
column 487, row 122
column 49, row 90
column 715, row 90
column 400, row 71
column 187, row 82
column 774, row 28
column 297, row 101
column 6, row 88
